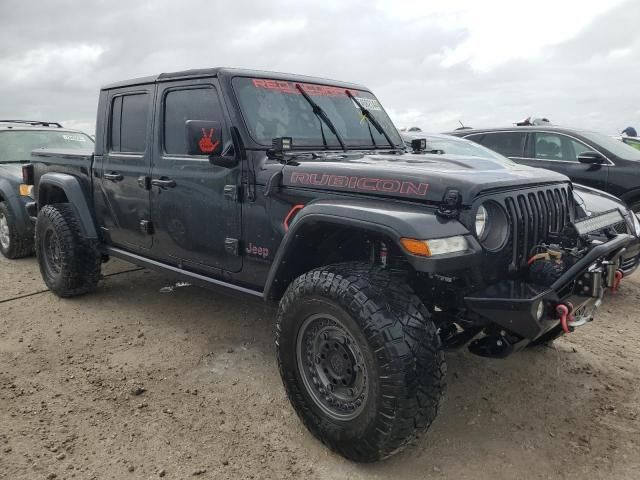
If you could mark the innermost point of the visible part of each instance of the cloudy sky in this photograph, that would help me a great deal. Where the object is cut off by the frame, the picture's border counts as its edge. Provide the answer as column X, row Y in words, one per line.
column 431, row 63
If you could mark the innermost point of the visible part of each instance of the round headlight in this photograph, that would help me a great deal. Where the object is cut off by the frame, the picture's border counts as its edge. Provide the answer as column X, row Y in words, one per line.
column 481, row 221
column 492, row 226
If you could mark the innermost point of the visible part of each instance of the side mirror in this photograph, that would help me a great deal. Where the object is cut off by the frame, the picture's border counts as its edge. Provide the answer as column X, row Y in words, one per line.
column 205, row 137
column 592, row 158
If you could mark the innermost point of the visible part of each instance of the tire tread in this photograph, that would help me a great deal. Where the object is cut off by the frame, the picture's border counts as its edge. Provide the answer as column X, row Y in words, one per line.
column 81, row 261
column 405, row 342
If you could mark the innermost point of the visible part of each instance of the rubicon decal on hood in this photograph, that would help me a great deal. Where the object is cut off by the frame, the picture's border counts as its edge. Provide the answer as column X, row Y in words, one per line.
column 383, row 185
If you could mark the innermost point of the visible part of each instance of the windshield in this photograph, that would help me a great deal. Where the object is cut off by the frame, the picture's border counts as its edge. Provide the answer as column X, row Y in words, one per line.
column 16, row 145
column 618, row 148
column 276, row 108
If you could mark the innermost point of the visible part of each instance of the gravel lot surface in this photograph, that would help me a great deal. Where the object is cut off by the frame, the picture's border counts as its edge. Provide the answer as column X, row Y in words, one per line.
column 133, row 383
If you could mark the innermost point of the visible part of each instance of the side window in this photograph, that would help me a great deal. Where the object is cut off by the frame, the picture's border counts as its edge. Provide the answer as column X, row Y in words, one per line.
column 129, row 116
column 554, row 146
column 183, row 105
column 509, row 144
column 578, row 148
column 549, row 146
column 476, row 137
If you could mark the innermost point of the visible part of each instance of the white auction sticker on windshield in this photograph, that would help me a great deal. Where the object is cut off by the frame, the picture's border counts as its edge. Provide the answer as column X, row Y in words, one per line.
column 75, row 138
column 369, row 103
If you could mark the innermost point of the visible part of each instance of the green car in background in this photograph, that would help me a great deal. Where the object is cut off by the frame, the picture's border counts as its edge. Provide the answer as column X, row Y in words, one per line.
column 632, row 141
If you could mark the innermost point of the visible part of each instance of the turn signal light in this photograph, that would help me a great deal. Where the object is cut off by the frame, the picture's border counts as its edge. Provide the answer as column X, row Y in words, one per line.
column 435, row 246
column 416, row 247
column 26, row 190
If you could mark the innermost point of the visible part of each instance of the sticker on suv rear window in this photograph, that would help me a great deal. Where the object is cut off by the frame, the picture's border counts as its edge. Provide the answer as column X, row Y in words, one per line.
column 369, row 103
column 75, row 138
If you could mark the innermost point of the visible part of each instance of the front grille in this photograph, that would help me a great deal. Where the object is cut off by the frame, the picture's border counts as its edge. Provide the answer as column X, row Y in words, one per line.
column 621, row 227
column 533, row 215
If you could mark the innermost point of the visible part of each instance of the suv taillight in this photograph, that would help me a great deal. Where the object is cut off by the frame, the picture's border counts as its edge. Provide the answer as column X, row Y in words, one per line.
column 27, row 174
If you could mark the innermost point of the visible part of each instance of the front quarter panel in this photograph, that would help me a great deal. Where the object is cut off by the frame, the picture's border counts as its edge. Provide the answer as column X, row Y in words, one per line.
column 395, row 220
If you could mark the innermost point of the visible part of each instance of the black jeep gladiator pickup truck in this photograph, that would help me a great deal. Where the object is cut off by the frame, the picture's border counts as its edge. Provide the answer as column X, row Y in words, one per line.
column 300, row 191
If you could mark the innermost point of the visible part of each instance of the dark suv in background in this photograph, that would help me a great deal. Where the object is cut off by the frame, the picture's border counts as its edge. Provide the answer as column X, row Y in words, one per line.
column 17, row 139
column 588, row 158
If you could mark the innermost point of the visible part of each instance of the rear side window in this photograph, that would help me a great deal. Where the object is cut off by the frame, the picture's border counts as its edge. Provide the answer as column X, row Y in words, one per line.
column 183, row 105
column 129, row 116
column 509, row 144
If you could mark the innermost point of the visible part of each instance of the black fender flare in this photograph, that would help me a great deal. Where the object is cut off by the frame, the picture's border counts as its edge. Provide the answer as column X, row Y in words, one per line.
column 76, row 196
column 394, row 220
column 9, row 193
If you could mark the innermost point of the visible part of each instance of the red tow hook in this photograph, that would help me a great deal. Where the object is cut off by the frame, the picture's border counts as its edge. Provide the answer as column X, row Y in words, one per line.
column 617, row 280
column 566, row 316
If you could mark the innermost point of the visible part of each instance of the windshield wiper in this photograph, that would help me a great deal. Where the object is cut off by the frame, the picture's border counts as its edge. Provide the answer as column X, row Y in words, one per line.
column 369, row 116
column 321, row 114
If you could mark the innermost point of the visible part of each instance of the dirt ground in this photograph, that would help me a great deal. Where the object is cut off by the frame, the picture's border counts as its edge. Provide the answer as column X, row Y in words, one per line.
column 133, row 383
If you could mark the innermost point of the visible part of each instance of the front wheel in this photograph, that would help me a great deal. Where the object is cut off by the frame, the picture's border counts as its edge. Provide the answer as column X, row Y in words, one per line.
column 360, row 359
column 69, row 263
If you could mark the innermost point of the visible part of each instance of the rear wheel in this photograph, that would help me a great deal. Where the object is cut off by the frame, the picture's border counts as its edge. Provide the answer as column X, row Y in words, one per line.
column 12, row 244
column 69, row 263
column 360, row 359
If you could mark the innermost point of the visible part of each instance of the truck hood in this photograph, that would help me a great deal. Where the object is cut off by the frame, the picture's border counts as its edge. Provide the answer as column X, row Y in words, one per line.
column 423, row 177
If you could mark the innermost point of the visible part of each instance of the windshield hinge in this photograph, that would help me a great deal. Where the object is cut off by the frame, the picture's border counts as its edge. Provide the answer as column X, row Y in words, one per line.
column 450, row 206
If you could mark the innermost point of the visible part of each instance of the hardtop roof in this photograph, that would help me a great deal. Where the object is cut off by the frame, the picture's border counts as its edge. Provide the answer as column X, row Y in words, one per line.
column 224, row 71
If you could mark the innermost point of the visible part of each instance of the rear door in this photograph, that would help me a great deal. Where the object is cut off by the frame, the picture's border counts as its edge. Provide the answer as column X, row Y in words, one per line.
column 559, row 152
column 196, row 214
column 125, row 164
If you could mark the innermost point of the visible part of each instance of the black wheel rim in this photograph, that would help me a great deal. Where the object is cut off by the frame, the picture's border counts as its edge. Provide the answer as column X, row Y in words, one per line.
column 332, row 367
column 52, row 253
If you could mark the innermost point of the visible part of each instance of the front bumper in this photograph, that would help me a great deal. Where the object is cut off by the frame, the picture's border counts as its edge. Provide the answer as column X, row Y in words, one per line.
column 513, row 305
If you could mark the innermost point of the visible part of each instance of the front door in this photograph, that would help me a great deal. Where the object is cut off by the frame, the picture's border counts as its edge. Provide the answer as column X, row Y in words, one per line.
column 194, row 209
column 125, row 163
column 559, row 152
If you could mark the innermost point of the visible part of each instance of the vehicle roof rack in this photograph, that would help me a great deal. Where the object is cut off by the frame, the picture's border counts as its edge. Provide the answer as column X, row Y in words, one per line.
column 33, row 123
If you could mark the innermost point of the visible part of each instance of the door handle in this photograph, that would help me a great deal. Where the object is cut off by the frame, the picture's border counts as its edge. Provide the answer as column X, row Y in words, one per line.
column 113, row 176
column 163, row 183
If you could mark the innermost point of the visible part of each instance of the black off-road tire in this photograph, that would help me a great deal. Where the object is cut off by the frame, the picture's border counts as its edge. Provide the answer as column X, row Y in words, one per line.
column 19, row 246
column 405, row 367
column 69, row 263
